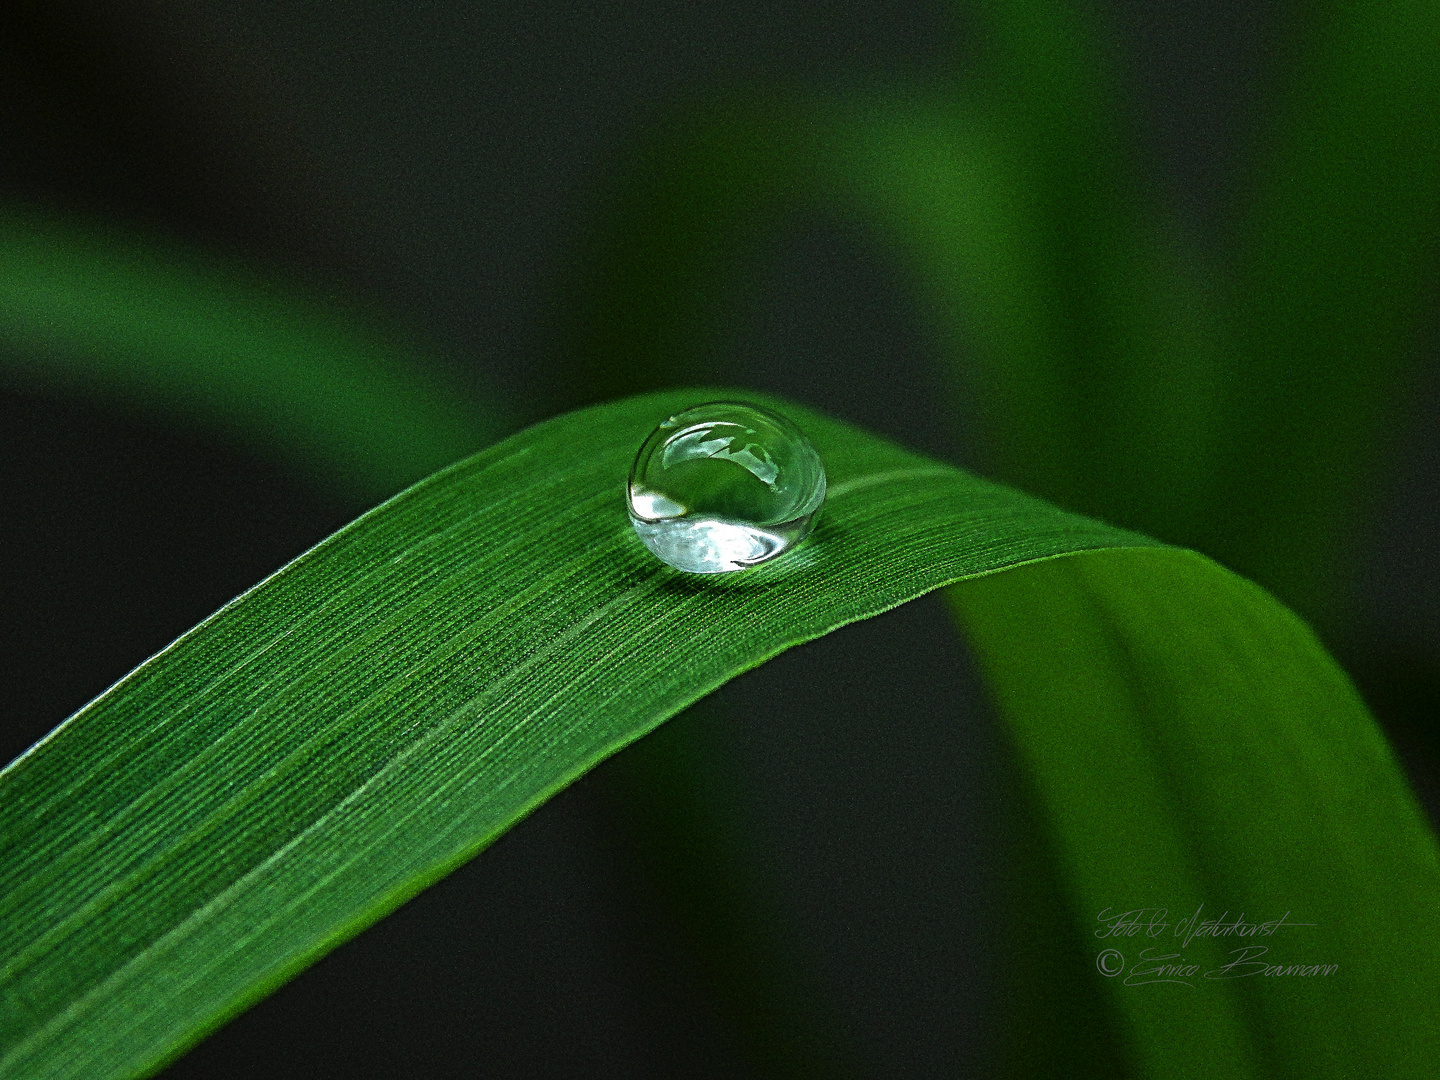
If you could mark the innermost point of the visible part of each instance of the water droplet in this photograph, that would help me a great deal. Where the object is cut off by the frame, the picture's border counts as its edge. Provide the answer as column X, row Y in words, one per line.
column 724, row 486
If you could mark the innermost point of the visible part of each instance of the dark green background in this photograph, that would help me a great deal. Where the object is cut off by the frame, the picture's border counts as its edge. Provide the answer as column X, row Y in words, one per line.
column 431, row 161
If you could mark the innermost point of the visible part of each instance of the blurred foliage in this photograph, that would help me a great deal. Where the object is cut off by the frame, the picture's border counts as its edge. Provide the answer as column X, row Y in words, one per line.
column 1235, row 405
column 107, row 312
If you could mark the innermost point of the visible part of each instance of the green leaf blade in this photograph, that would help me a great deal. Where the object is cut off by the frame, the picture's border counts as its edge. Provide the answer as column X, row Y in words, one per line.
column 1201, row 749
column 386, row 705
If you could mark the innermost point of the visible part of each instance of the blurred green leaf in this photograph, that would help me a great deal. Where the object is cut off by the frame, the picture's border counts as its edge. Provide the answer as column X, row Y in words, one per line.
column 1325, row 313
column 1067, row 347
column 379, row 710
column 1191, row 748
column 104, row 312
column 1236, row 405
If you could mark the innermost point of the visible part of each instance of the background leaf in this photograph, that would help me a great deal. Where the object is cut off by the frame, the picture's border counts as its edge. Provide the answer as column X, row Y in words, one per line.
column 1328, row 301
column 122, row 316
column 1176, row 769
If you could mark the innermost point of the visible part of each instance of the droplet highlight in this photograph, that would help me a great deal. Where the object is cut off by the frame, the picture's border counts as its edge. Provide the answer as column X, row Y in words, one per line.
column 724, row 486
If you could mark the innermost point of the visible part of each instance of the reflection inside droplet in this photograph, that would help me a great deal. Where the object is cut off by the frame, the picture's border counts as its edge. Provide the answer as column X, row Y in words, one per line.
column 724, row 486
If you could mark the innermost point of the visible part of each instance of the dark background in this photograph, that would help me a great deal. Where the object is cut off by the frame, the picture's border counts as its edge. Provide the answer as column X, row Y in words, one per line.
column 431, row 160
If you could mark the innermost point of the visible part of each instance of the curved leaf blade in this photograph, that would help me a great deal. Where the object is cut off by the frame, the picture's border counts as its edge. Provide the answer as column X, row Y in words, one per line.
column 1192, row 748
column 380, row 709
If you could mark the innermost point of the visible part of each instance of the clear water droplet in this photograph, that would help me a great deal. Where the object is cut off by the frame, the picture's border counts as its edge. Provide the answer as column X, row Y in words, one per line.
column 724, row 486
